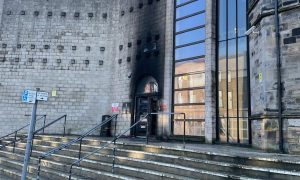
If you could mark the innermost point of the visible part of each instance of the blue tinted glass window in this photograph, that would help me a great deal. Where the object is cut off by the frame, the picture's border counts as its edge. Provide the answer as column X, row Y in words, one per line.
column 242, row 27
column 190, row 51
column 190, row 8
column 231, row 19
column 191, row 36
column 191, row 22
column 222, row 19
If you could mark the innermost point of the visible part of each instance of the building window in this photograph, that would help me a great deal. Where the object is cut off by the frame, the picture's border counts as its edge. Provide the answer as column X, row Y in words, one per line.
column 189, row 77
column 232, row 67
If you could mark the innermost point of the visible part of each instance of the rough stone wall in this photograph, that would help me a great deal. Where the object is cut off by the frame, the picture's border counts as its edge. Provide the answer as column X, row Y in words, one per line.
column 77, row 54
column 264, row 102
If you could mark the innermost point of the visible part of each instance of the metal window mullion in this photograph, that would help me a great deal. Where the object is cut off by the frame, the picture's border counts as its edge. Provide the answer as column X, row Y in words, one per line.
column 190, row 15
column 190, row 44
column 227, row 119
column 237, row 73
column 190, row 29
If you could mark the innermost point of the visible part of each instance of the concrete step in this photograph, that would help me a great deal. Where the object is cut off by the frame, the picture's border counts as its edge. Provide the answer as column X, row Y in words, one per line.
column 266, row 162
column 222, row 167
column 176, row 165
column 125, row 166
column 90, row 169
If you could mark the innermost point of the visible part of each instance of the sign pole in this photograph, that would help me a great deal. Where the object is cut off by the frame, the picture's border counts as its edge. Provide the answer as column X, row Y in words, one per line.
column 29, row 140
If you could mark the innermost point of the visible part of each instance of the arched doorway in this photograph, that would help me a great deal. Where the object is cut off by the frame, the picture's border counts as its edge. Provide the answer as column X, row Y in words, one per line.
column 146, row 100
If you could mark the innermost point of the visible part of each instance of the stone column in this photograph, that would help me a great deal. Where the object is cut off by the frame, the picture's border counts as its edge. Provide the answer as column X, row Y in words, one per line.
column 210, row 78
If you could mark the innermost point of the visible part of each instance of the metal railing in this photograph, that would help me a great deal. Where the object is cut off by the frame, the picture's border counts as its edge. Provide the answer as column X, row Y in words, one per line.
column 77, row 162
column 79, row 139
column 16, row 132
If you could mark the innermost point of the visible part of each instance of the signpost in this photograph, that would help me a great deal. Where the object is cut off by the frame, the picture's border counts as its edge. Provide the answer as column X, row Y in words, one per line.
column 31, row 97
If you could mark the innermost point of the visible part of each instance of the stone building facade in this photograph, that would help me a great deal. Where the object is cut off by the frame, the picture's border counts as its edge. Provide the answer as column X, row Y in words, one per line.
column 143, row 56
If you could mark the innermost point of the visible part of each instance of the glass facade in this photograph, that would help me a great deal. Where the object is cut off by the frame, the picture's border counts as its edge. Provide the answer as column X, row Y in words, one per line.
column 233, row 93
column 189, row 77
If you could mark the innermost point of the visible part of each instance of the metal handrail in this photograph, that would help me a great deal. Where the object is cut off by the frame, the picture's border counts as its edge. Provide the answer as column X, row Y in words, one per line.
column 77, row 162
column 16, row 134
column 58, row 119
column 78, row 139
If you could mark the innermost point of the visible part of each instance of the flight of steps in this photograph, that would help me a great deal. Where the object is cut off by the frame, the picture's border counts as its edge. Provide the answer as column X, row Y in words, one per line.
column 138, row 161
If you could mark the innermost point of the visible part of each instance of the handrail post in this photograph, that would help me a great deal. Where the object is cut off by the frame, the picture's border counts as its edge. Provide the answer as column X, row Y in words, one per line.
column 15, row 139
column 183, row 130
column 44, row 124
column 79, row 154
column 147, row 131
column 65, row 125
column 70, row 172
column 39, row 169
column 114, row 157
column 115, row 131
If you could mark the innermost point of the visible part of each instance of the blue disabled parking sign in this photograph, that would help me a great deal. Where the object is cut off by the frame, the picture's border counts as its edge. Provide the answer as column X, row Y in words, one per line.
column 29, row 96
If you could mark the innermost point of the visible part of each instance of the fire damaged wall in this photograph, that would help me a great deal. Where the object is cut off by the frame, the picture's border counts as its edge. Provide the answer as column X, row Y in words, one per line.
column 91, row 53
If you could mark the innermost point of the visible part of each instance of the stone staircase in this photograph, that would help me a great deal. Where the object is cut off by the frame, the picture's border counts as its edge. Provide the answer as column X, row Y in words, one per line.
column 138, row 161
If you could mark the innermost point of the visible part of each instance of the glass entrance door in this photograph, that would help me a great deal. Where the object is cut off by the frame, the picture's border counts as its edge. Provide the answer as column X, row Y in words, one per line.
column 233, row 72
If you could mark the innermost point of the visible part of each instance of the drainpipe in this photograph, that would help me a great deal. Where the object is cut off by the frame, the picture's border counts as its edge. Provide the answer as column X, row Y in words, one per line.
column 279, row 84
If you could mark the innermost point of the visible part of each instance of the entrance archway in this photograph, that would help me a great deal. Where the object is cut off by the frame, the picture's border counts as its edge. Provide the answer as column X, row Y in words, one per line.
column 146, row 100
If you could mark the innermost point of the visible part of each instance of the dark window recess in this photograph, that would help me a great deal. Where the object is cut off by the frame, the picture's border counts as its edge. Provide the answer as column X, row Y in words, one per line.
column 120, row 61
column 46, row 47
column 73, row 61
column 122, row 13
column 63, row 14
column 76, row 14
column 121, row 47
column 157, row 37
column 86, row 61
column 148, row 54
column 32, row 46
column 139, row 42
column 156, row 53
column 17, row 59
column 8, row 13
column 2, row 59
column 149, row 39
column 30, row 60
column 88, row 48
column 58, row 60
column 44, row 60
column 104, row 15
column 22, row 13
column 138, row 57
column 128, row 59
column 129, row 44
column 19, row 46
column 131, row 9
column 74, row 48
column 141, row 5
column 296, row 32
column 90, row 15
column 102, row 48
column 60, row 47
column 4, row 45
column 36, row 13
column 101, row 62
column 150, row 2
column 289, row 40
column 49, row 14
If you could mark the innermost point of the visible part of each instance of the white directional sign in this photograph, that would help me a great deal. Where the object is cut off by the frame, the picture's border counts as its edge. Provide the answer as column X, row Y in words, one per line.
column 29, row 96
column 42, row 96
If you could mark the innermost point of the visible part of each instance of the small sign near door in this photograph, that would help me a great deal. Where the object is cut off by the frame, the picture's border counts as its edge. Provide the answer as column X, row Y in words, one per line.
column 115, row 107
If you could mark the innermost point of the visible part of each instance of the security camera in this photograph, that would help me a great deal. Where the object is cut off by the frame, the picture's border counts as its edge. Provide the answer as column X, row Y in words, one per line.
column 251, row 30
